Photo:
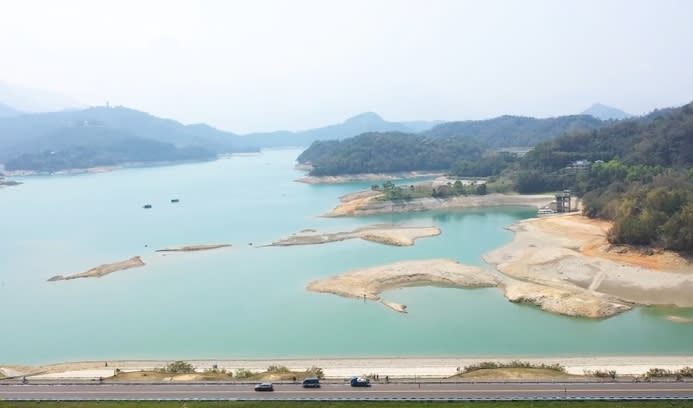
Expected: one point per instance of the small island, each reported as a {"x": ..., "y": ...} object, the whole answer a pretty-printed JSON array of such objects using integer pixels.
[
  {"x": 102, "y": 270},
  {"x": 369, "y": 283},
  {"x": 194, "y": 248},
  {"x": 384, "y": 234}
]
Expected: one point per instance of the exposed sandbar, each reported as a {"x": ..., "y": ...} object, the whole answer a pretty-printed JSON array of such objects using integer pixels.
[
  {"x": 369, "y": 283},
  {"x": 102, "y": 270},
  {"x": 679, "y": 319},
  {"x": 383, "y": 234},
  {"x": 340, "y": 368},
  {"x": 192, "y": 248},
  {"x": 348, "y": 178},
  {"x": 368, "y": 203},
  {"x": 568, "y": 267}
]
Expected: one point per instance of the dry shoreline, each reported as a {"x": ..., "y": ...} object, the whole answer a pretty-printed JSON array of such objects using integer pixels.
[
  {"x": 339, "y": 368},
  {"x": 564, "y": 264},
  {"x": 102, "y": 270},
  {"x": 366, "y": 203}
]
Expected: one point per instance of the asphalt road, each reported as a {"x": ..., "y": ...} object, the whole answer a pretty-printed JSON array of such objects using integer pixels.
[{"x": 478, "y": 391}]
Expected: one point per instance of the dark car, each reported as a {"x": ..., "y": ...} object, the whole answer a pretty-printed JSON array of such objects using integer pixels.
[
  {"x": 360, "y": 382},
  {"x": 266, "y": 386},
  {"x": 311, "y": 383}
]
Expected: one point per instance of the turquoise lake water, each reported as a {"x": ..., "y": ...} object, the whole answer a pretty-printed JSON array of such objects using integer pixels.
[{"x": 250, "y": 302}]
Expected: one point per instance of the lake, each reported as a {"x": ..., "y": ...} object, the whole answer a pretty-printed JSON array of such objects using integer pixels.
[{"x": 250, "y": 302}]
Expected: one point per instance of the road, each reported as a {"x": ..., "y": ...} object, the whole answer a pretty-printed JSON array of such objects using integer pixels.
[{"x": 445, "y": 391}]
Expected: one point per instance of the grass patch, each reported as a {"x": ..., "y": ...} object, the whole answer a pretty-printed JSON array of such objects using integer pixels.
[
  {"x": 516, "y": 374},
  {"x": 346, "y": 404}
]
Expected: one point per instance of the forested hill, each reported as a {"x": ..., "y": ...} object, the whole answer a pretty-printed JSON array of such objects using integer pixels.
[
  {"x": 440, "y": 148},
  {"x": 635, "y": 172},
  {"x": 514, "y": 131},
  {"x": 387, "y": 152},
  {"x": 662, "y": 138},
  {"x": 112, "y": 135}
]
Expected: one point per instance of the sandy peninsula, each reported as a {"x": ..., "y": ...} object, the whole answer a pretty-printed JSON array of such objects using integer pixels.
[
  {"x": 348, "y": 178},
  {"x": 368, "y": 203},
  {"x": 369, "y": 283},
  {"x": 564, "y": 264},
  {"x": 384, "y": 234},
  {"x": 102, "y": 270},
  {"x": 193, "y": 248}
]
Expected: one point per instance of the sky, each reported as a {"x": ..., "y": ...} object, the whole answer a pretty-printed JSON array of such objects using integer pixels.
[{"x": 260, "y": 65}]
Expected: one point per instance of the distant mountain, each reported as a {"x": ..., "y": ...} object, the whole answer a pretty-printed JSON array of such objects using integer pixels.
[
  {"x": 513, "y": 131},
  {"x": 365, "y": 122},
  {"x": 6, "y": 111},
  {"x": 35, "y": 100},
  {"x": 106, "y": 136},
  {"x": 604, "y": 112}
]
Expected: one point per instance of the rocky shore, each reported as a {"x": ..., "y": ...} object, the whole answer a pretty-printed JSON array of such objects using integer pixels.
[{"x": 564, "y": 264}]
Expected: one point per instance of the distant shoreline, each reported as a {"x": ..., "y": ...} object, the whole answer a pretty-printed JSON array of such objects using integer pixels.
[
  {"x": 350, "y": 178},
  {"x": 121, "y": 166}
]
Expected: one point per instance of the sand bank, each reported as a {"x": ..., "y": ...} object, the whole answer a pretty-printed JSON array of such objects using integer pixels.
[
  {"x": 349, "y": 178},
  {"x": 384, "y": 234},
  {"x": 340, "y": 368},
  {"x": 567, "y": 266},
  {"x": 193, "y": 248},
  {"x": 357, "y": 205},
  {"x": 102, "y": 270},
  {"x": 369, "y": 283}
]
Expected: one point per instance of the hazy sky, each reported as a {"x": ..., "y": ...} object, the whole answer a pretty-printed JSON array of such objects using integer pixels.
[{"x": 264, "y": 65}]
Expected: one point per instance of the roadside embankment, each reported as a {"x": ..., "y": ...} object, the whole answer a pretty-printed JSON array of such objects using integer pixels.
[{"x": 340, "y": 368}]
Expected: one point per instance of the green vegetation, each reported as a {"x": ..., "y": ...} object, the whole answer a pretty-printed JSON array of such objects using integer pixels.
[
  {"x": 686, "y": 372},
  {"x": 386, "y": 153},
  {"x": 601, "y": 373},
  {"x": 635, "y": 172},
  {"x": 393, "y": 192},
  {"x": 511, "y": 364},
  {"x": 347, "y": 404},
  {"x": 179, "y": 367},
  {"x": 463, "y": 148},
  {"x": 514, "y": 131}
]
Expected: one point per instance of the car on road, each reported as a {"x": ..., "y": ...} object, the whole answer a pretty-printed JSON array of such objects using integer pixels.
[
  {"x": 265, "y": 386},
  {"x": 311, "y": 382},
  {"x": 360, "y": 382}
]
